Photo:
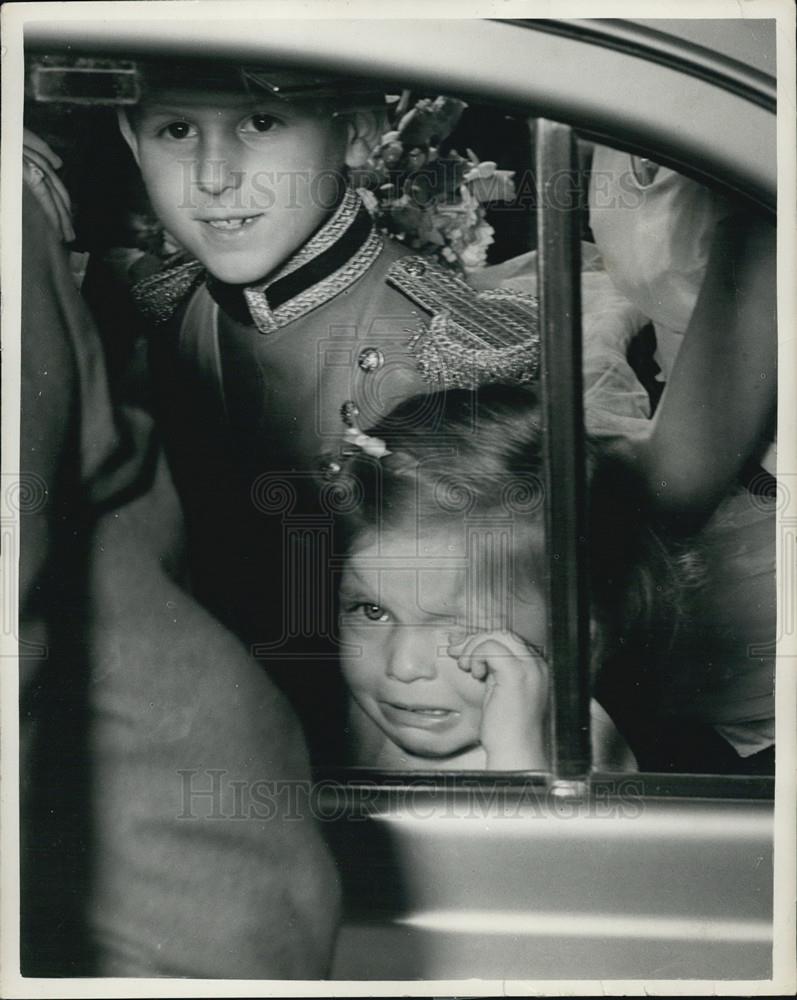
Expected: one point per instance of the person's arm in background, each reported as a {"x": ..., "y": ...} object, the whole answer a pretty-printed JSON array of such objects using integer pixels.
[
  {"x": 133, "y": 697},
  {"x": 721, "y": 393}
]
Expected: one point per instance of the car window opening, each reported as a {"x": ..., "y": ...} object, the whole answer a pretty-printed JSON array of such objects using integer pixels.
[{"x": 562, "y": 165}]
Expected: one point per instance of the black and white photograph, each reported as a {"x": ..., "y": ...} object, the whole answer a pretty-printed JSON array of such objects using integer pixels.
[{"x": 399, "y": 498}]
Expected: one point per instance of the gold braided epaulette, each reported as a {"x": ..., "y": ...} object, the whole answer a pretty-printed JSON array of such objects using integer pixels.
[
  {"x": 159, "y": 296},
  {"x": 472, "y": 337}
]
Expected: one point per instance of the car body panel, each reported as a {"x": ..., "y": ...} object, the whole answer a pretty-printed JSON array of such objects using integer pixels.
[{"x": 477, "y": 883}]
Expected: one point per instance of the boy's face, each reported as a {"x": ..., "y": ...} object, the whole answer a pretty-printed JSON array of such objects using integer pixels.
[
  {"x": 240, "y": 182},
  {"x": 402, "y": 598}
]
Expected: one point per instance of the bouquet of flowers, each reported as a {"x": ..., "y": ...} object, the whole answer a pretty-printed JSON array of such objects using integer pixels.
[{"x": 433, "y": 202}]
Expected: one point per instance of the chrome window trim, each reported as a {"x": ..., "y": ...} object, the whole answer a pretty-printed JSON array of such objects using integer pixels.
[{"x": 367, "y": 782}]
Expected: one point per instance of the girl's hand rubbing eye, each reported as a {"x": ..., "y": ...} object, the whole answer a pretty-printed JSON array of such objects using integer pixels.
[{"x": 516, "y": 677}]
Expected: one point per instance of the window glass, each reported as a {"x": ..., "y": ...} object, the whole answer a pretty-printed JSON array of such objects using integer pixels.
[{"x": 409, "y": 507}]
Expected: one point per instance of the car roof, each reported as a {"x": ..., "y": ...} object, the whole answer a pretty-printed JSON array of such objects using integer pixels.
[{"x": 750, "y": 41}]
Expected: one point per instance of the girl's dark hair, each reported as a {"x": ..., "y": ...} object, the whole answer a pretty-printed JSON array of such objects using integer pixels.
[{"x": 479, "y": 454}]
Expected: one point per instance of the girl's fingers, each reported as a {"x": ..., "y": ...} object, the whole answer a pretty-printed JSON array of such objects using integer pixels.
[
  {"x": 498, "y": 646},
  {"x": 457, "y": 639},
  {"x": 500, "y": 653},
  {"x": 499, "y": 660},
  {"x": 470, "y": 664},
  {"x": 461, "y": 645},
  {"x": 478, "y": 668}
]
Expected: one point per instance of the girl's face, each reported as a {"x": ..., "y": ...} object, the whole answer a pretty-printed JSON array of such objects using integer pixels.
[{"x": 405, "y": 596}]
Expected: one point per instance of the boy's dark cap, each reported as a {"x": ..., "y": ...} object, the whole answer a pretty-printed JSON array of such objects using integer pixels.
[{"x": 285, "y": 83}]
